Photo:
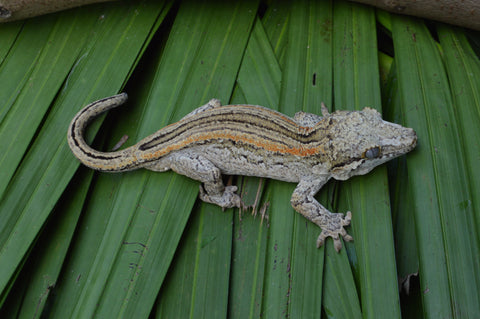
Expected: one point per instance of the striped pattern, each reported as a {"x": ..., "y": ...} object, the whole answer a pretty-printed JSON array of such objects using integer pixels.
[{"x": 244, "y": 125}]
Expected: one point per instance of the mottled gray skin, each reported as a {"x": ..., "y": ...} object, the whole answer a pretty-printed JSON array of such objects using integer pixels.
[
  {"x": 360, "y": 141},
  {"x": 255, "y": 141},
  {"x": 347, "y": 137}
]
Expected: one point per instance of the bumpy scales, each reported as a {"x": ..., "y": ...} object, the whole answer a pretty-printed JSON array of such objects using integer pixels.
[{"x": 255, "y": 141}]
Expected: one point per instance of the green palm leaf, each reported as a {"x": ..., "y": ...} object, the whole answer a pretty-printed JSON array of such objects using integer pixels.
[{"x": 74, "y": 243}]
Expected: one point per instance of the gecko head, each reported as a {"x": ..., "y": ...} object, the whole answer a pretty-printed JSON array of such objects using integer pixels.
[{"x": 361, "y": 140}]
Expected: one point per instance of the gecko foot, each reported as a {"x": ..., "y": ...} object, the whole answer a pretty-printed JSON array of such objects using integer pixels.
[
  {"x": 334, "y": 229},
  {"x": 228, "y": 199}
]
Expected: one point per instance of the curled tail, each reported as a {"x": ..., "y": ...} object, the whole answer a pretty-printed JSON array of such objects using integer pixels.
[{"x": 123, "y": 160}]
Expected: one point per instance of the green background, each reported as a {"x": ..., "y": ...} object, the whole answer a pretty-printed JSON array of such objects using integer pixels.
[{"x": 80, "y": 244}]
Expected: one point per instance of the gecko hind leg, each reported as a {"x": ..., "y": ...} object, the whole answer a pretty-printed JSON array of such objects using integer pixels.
[
  {"x": 201, "y": 169},
  {"x": 332, "y": 224}
]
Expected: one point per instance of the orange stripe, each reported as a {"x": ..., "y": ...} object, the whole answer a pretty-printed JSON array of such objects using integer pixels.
[{"x": 271, "y": 147}]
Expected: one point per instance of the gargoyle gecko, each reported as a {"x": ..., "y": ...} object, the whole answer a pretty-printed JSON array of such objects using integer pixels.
[{"x": 256, "y": 141}]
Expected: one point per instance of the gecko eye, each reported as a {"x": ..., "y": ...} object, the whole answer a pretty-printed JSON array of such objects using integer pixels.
[{"x": 372, "y": 153}]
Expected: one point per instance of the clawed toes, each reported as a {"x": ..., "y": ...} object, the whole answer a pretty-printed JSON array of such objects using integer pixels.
[
  {"x": 227, "y": 199},
  {"x": 336, "y": 232},
  {"x": 345, "y": 221},
  {"x": 321, "y": 240},
  {"x": 346, "y": 236},
  {"x": 337, "y": 244},
  {"x": 348, "y": 217}
]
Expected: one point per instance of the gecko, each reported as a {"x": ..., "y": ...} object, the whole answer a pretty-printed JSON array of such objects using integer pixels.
[{"x": 252, "y": 140}]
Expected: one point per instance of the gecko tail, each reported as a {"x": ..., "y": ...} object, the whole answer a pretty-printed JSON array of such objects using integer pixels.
[{"x": 104, "y": 161}]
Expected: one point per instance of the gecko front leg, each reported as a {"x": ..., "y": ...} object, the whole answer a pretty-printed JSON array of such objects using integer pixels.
[{"x": 332, "y": 224}]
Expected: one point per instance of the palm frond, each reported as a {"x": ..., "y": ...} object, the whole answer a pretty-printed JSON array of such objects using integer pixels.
[{"x": 75, "y": 244}]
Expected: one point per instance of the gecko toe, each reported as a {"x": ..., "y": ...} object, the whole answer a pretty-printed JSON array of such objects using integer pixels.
[
  {"x": 321, "y": 240},
  {"x": 335, "y": 230},
  {"x": 345, "y": 235},
  {"x": 337, "y": 244},
  {"x": 348, "y": 218},
  {"x": 227, "y": 199}
]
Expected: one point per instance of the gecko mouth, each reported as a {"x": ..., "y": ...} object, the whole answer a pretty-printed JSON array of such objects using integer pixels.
[
  {"x": 349, "y": 161},
  {"x": 400, "y": 145}
]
